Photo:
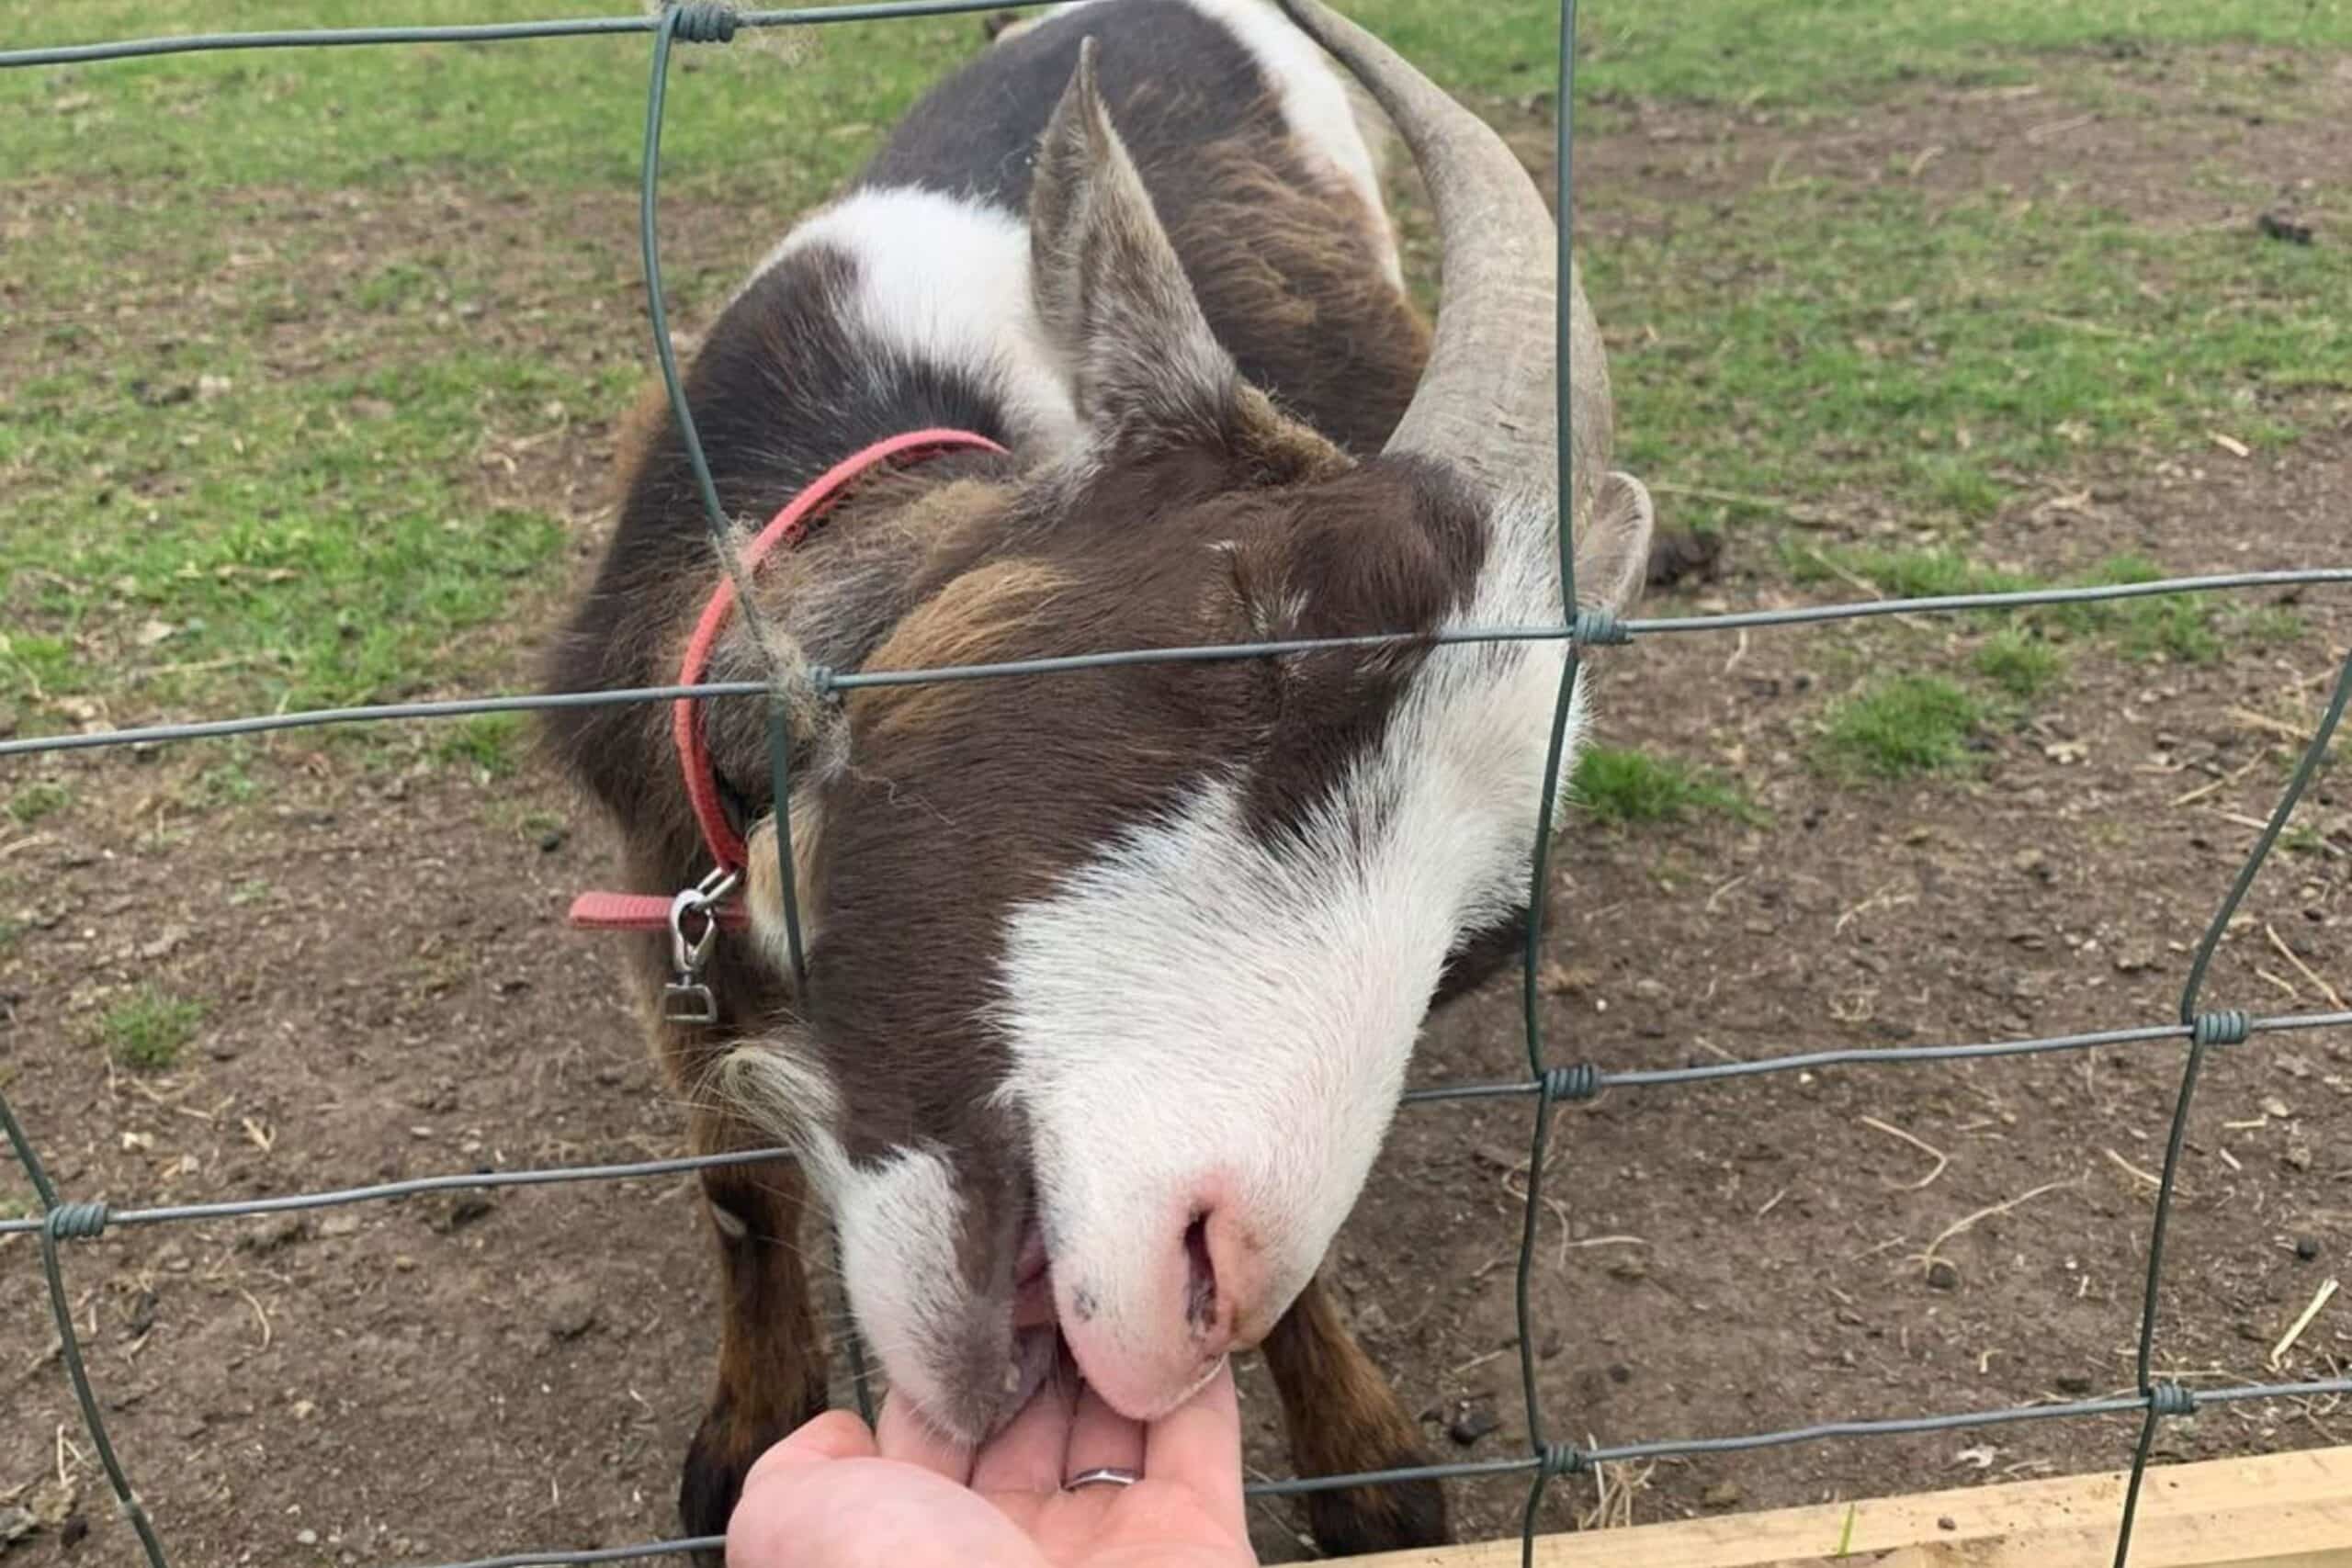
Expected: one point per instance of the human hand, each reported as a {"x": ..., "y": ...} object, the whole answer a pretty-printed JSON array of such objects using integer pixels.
[{"x": 833, "y": 1494}]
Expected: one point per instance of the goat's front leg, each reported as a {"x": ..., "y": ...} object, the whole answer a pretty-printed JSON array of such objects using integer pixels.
[
  {"x": 1342, "y": 1419},
  {"x": 770, "y": 1359}
]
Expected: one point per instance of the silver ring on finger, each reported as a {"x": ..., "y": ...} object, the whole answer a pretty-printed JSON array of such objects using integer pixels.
[{"x": 1101, "y": 1475}]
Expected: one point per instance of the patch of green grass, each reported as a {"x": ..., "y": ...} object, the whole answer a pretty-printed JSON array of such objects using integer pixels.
[
  {"x": 310, "y": 543},
  {"x": 229, "y": 781},
  {"x": 1902, "y": 574},
  {"x": 491, "y": 743},
  {"x": 147, "y": 1030},
  {"x": 568, "y": 111},
  {"x": 2176, "y": 626},
  {"x": 2193, "y": 629},
  {"x": 37, "y": 800},
  {"x": 245, "y": 470},
  {"x": 565, "y": 112},
  {"x": 1871, "y": 338},
  {"x": 1799, "y": 52},
  {"x": 2019, "y": 663},
  {"x": 1621, "y": 786},
  {"x": 1899, "y": 726},
  {"x": 2269, "y": 625}
]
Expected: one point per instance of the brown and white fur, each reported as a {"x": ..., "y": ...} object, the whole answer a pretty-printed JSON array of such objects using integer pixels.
[{"x": 1113, "y": 976}]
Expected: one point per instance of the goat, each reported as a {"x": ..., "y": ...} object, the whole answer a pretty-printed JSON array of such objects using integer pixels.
[{"x": 1112, "y": 976}]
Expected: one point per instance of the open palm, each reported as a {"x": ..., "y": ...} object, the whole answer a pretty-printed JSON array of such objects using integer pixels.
[{"x": 835, "y": 1495}]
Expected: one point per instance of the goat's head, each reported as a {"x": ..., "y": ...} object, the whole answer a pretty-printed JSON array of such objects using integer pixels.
[{"x": 1114, "y": 975}]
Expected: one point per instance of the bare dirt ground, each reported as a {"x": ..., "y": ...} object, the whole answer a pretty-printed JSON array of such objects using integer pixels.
[{"x": 390, "y": 992}]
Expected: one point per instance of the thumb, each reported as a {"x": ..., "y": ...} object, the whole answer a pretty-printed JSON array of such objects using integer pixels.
[{"x": 837, "y": 1434}]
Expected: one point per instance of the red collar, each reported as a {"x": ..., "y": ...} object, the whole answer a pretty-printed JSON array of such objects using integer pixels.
[{"x": 654, "y": 912}]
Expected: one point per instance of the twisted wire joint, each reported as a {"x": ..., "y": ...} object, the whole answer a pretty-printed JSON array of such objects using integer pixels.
[
  {"x": 1555, "y": 1460},
  {"x": 2227, "y": 1028},
  {"x": 1597, "y": 628},
  {"x": 77, "y": 1222},
  {"x": 2171, "y": 1399},
  {"x": 700, "y": 21},
  {"x": 1579, "y": 1081}
]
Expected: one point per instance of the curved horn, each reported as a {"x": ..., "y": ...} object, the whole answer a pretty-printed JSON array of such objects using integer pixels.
[{"x": 1486, "y": 400}]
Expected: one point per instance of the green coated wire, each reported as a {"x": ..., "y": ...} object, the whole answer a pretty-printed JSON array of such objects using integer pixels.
[
  {"x": 69, "y": 1344},
  {"x": 2201, "y": 1040},
  {"x": 715, "y": 518},
  {"x": 487, "y": 32},
  {"x": 1539, "y": 879}
]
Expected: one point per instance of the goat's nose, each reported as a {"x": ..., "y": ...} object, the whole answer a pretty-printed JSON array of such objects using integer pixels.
[{"x": 1225, "y": 1282}]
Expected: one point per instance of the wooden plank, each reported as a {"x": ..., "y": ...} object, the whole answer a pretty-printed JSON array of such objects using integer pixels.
[{"x": 2278, "y": 1511}]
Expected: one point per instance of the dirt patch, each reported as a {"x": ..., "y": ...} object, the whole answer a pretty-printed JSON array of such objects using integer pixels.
[{"x": 385, "y": 989}]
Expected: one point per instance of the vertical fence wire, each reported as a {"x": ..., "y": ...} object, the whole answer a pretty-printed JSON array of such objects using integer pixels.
[
  {"x": 703, "y": 23},
  {"x": 1547, "y": 802},
  {"x": 61, "y": 1221},
  {"x": 2207, "y": 1030},
  {"x": 1550, "y": 1084}
]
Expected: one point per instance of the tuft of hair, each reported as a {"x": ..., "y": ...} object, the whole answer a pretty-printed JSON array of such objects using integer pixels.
[{"x": 775, "y": 1084}]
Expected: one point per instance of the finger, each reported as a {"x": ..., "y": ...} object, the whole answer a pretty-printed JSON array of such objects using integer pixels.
[
  {"x": 904, "y": 1433},
  {"x": 1027, "y": 1455},
  {"x": 1101, "y": 1438},
  {"x": 1198, "y": 1446}
]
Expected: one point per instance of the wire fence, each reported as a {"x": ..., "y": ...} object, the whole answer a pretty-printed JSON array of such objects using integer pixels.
[{"x": 2202, "y": 1029}]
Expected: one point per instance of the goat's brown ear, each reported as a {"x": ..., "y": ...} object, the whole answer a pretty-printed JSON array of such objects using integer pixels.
[
  {"x": 1613, "y": 552},
  {"x": 1112, "y": 297}
]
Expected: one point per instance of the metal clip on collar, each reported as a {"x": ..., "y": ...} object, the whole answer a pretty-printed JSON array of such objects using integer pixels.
[{"x": 685, "y": 1000}]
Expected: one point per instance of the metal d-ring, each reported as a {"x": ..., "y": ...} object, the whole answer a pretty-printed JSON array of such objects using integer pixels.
[{"x": 686, "y": 1000}]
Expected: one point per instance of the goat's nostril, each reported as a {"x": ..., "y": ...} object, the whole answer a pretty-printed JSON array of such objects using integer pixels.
[{"x": 1199, "y": 1291}]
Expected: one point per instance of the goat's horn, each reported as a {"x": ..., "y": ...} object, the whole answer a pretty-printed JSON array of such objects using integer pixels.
[{"x": 1486, "y": 402}]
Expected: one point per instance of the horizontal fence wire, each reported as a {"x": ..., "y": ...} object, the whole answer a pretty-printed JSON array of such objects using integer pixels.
[
  {"x": 1587, "y": 1083},
  {"x": 1549, "y": 1085},
  {"x": 1588, "y": 628},
  {"x": 712, "y": 24}
]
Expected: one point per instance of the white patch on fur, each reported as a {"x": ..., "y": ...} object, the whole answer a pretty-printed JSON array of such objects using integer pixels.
[
  {"x": 944, "y": 279},
  {"x": 1315, "y": 101},
  {"x": 1199, "y": 999},
  {"x": 898, "y": 1224}
]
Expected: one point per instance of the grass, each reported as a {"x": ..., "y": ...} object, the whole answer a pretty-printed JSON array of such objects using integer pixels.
[
  {"x": 35, "y": 801},
  {"x": 2181, "y": 627},
  {"x": 1901, "y": 727},
  {"x": 490, "y": 743},
  {"x": 147, "y": 1030},
  {"x": 1844, "y": 337},
  {"x": 311, "y": 326},
  {"x": 230, "y": 781},
  {"x": 2019, "y": 664},
  {"x": 1625, "y": 787},
  {"x": 567, "y": 112},
  {"x": 1902, "y": 574},
  {"x": 1812, "y": 53},
  {"x": 2187, "y": 628}
]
